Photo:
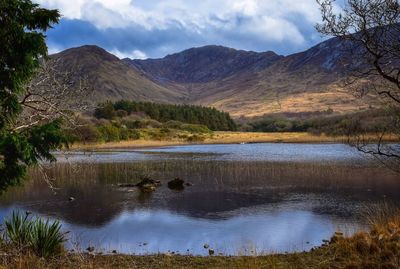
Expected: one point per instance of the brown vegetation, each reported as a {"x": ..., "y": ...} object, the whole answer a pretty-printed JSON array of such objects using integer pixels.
[{"x": 224, "y": 138}]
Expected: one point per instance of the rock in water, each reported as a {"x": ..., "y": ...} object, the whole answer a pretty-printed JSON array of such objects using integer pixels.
[
  {"x": 148, "y": 181},
  {"x": 176, "y": 184},
  {"x": 211, "y": 252},
  {"x": 147, "y": 188}
]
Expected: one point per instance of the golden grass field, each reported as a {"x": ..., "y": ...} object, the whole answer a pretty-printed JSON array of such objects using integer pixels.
[
  {"x": 217, "y": 138},
  {"x": 224, "y": 138}
]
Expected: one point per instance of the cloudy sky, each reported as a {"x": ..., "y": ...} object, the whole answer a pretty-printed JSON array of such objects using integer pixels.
[{"x": 155, "y": 28}]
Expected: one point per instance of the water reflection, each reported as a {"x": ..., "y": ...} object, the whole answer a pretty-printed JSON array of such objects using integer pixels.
[{"x": 235, "y": 202}]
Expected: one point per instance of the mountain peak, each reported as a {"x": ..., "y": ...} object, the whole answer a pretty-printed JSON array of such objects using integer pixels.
[
  {"x": 86, "y": 50},
  {"x": 203, "y": 64}
]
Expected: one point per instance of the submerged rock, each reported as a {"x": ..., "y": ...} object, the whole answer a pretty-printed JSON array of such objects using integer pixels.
[
  {"x": 147, "y": 188},
  {"x": 145, "y": 185},
  {"x": 148, "y": 181},
  {"x": 176, "y": 184}
]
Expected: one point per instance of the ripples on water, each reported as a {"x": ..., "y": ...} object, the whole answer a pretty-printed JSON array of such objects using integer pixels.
[{"x": 244, "y": 199}]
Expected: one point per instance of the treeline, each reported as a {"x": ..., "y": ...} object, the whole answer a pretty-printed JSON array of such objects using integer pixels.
[
  {"x": 212, "y": 118},
  {"x": 336, "y": 125}
]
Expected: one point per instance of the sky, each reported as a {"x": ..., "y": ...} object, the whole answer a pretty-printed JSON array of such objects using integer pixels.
[{"x": 141, "y": 29}]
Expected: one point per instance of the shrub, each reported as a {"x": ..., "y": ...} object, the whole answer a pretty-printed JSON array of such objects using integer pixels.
[
  {"x": 195, "y": 128},
  {"x": 86, "y": 133},
  {"x": 45, "y": 238},
  {"x": 121, "y": 113},
  {"x": 126, "y": 134},
  {"x": 105, "y": 111},
  {"x": 173, "y": 124},
  {"x": 152, "y": 124},
  {"x": 132, "y": 124},
  {"x": 18, "y": 229},
  {"x": 109, "y": 132}
]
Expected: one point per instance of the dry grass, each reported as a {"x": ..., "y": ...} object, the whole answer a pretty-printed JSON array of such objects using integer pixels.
[
  {"x": 225, "y": 138},
  {"x": 127, "y": 144},
  {"x": 257, "y": 137},
  {"x": 295, "y": 261}
]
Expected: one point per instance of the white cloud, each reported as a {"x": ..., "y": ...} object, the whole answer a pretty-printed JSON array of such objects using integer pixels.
[
  {"x": 265, "y": 16},
  {"x": 159, "y": 27},
  {"x": 135, "y": 54}
]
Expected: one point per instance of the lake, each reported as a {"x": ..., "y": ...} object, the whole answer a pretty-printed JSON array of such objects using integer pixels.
[{"x": 244, "y": 199}]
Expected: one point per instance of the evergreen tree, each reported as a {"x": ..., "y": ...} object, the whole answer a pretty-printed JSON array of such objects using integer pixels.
[
  {"x": 212, "y": 118},
  {"x": 22, "y": 44}
]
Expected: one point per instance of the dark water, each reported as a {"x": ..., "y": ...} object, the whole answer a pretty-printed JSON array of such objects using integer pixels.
[{"x": 245, "y": 199}]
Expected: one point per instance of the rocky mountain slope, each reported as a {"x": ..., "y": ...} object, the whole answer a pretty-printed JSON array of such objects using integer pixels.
[
  {"x": 241, "y": 82},
  {"x": 109, "y": 77}
]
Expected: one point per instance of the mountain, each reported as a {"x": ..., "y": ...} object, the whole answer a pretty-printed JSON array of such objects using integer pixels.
[
  {"x": 205, "y": 64},
  {"x": 243, "y": 83},
  {"x": 253, "y": 84},
  {"x": 109, "y": 77}
]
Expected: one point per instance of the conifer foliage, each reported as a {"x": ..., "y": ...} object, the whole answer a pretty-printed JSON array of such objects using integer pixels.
[
  {"x": 212, "y": 118},
  {"x": 22, "y": 39}
]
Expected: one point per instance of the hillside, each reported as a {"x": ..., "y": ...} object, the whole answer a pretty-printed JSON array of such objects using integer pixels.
[
  {"x": 242, "y": 83},
  {"x": 109, "y": 77},
  {"x": 254, "y": 84}
]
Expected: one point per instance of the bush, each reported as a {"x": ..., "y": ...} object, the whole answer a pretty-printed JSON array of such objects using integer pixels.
[
  {"x": 173, "y": 124},
  {"x": 121, "y": 113},
  {"x": 109, "y": 132},
  {"x": 86, "y": 133},
  {"x": 152, "y": 124},
  {"x": 105, "y": 111},
  {"x": 132, "y": 124},
  {"x": 45, "y": 238},
  {"x": 195, "y": 128},
  {"x": 18, "y": 229},
  {"x": 126, "y": 134}
]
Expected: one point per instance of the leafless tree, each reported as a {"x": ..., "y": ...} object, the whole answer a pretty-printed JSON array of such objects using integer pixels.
[
  {"x": 53, "y": 94},
  {"x": 370, "y": 30}
]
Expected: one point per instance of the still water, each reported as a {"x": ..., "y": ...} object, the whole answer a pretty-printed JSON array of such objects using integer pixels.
[{"x": 244, "y": 199}]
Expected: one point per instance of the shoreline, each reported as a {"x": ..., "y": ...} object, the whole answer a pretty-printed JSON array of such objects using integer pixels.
[
  {"x": 217, "y": 138},
  {"x": 223, "y": 138}
]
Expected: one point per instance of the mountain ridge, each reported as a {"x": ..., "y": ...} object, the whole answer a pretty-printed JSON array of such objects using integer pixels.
[{"x": 243, "y": 83}]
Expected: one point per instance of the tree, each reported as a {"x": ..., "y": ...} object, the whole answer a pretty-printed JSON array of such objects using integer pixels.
[
  {"x": 370, "y": 31},
  {"x": 105, "y": 111},
  {"x": 22, "y": 39}
]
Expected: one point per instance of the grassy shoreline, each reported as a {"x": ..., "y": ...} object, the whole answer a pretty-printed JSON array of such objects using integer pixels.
[
  {"x": 215, "y": 138},
  {"x": 223, "y": 138}
]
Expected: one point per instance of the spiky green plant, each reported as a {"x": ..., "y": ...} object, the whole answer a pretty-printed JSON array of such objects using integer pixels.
[
  {"x": 18, "y": 229},
  {"x": 46, "y": 237}
]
